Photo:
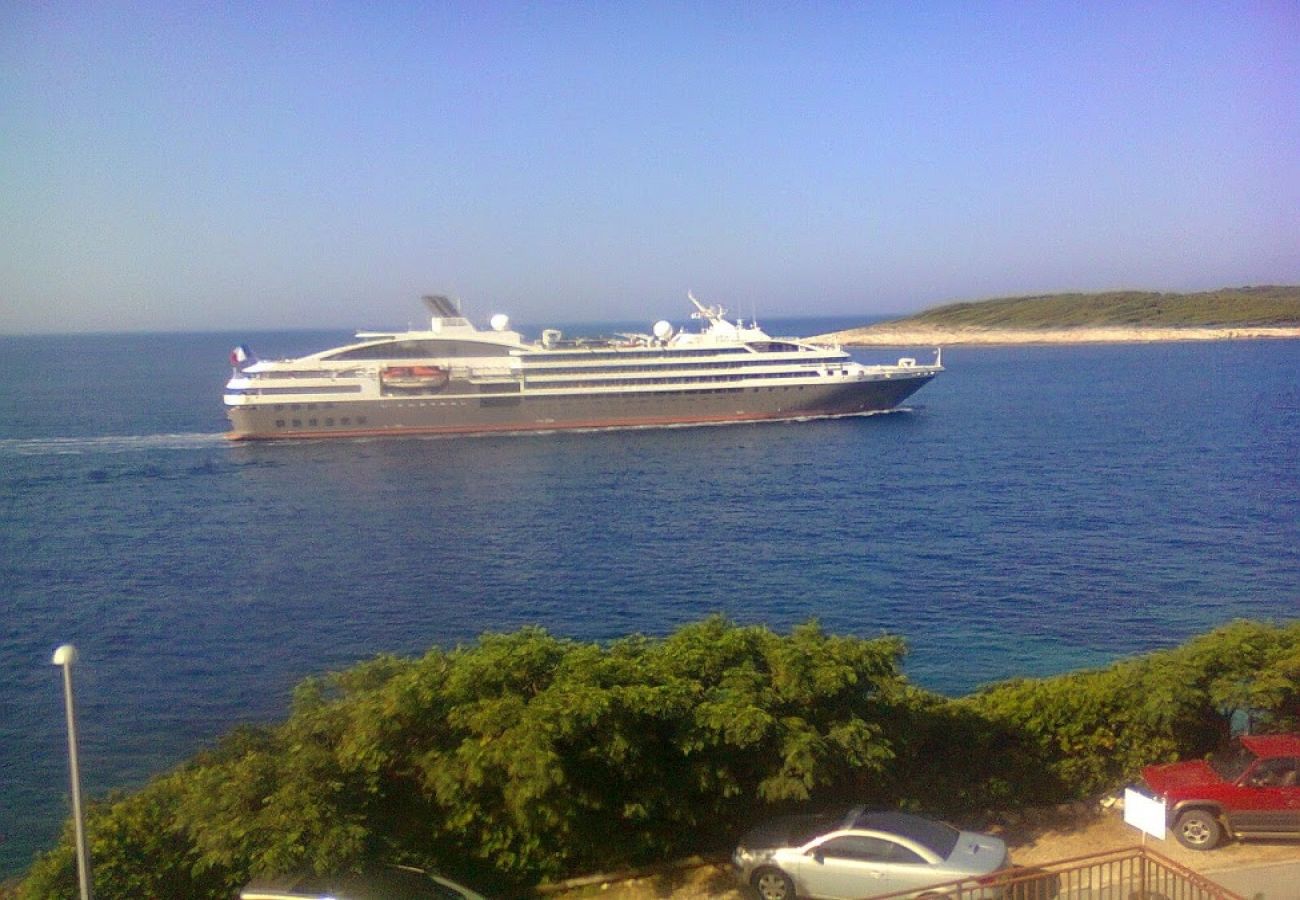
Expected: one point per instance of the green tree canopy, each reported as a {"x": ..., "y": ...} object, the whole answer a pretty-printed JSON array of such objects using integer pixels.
[{"x": 526, "y": 756}]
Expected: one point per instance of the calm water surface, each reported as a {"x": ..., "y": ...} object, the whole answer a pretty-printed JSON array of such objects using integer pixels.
[{"x": 1034, "y": 510}]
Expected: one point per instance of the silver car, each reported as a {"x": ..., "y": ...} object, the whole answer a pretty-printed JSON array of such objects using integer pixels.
[{"x": 857, "y": 853}]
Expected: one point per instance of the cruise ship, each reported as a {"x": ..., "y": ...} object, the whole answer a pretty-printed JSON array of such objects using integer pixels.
[{"x": 455, "y": 378}]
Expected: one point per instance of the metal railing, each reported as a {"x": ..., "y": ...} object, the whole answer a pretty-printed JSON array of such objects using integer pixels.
[{"x": 1135, "y": 873}]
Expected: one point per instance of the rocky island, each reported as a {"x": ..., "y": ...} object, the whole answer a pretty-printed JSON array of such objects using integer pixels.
[{"x": 1114, "y": 317}]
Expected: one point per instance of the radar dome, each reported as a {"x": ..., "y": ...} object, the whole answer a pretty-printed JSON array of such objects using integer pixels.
[
  {"x": 663, "y": 330},
  {"x": 499, "y": 322}
]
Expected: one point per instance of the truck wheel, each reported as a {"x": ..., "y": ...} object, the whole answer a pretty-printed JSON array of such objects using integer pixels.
[
  {"x": 773, "y": 884},
  {"x": 1198, "y": 829}
]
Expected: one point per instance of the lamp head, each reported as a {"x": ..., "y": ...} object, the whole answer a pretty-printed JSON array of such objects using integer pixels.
[{"x": 65, "y": 655}]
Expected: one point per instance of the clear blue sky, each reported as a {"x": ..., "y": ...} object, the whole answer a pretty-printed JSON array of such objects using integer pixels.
[{"x": 171, "y": 166}]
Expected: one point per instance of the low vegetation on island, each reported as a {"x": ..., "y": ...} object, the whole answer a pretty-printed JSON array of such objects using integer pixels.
[
  {"x": 1228, "y": 308},
  {"x": 1116, "y": 316},
  {"x": 525, "y": 757}
]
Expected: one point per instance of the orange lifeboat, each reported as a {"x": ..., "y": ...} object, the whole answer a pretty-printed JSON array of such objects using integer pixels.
[{"x": 414, "y": 378}]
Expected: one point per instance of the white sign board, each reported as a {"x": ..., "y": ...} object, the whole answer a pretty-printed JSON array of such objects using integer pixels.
[{"x": 1144, "y": 813}]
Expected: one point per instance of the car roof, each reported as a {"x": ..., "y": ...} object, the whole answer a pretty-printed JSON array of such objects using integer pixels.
[
  {"x": 938, "y": 837},
  {"x": 1272, "y": 744},
  {"x": 382, "y": 882}
]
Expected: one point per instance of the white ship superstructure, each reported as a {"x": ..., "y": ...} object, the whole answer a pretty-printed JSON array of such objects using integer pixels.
[{"x": 455, "y": 378}]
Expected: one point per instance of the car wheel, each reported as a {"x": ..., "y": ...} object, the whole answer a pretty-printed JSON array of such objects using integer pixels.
[
  {"x": 773, "y": 884},
  {"x": 1198, "y": 829}
]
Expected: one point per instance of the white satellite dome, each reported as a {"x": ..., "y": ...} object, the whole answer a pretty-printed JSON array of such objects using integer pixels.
[
  {"x": 499, "y": 322},
  {"x": 663, "y": 329}
]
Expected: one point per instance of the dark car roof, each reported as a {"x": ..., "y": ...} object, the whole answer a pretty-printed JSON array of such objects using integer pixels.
[
  {"x": 1272, "y": 744},
  {"x": 796, "y": 830},
  {"x": 938, "y": 836},
  {"x": 793, "y": 830},
  {"x": 385, "y": 883}
]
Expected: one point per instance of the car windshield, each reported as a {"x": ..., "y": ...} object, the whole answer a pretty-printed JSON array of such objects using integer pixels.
[
  {"x": 804, "y": 829},
  {"x": 791, "y": 831},
  {"x": 1231, "y": 763},
  {"x": 375, "y": 885}
]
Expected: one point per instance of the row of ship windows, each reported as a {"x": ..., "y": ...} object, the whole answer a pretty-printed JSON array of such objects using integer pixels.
[
  {"x": 427, "y": 349},
  {"x": 539, "y": 383},
  {"x": 535, "y": 381},
  {"x": 625, "y": 352},
  {"x": 655, "y": 395},
  {"x": 295, "y": 407},
  {"x": 345, "y": 421},
  {"x": 666, "y": 370},
  {"x": 598, "y": 353},
  {"x": 551, "y": 370},
  {"x": 303, "y": 373},
  {"x": 704, "y": 364},
  {"x": 548, "y": 380},
  {"x": 325, "y": 389}
]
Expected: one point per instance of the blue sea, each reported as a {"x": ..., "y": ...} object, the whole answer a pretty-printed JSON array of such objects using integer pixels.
[{"x": 1033, "y": 510}]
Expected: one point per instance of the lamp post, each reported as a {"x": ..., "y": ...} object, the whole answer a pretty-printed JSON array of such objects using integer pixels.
[{"x": 65, "y": 656}]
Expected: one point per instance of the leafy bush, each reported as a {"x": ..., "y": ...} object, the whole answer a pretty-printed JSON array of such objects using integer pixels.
[
  {"x": 1090, "y": 731},
  {"x": 136, "y": 850},
  {"x": 526, "y": 756},
  {"x": 520, "y": 757}
]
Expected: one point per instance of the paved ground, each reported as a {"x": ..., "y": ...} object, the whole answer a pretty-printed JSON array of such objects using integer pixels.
[
  {"x": 1257, "y": 870},
  {"x": 1274, "y": 881}
]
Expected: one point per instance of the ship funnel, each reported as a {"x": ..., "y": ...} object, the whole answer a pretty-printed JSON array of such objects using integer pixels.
[{"x": 441, "y": 306}]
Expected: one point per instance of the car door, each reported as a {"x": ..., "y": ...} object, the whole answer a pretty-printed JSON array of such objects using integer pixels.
[
  {"x": 1290, "y": 789},
  {"x": 847, "y": 865},
  {"x": 1268, "y": 799}
]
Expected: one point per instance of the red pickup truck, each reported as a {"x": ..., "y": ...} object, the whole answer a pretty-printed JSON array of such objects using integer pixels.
[{"x": 1253, "y": 790}]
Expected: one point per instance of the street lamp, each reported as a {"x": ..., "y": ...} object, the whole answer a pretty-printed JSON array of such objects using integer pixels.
[{"x": 65, "y": 656}]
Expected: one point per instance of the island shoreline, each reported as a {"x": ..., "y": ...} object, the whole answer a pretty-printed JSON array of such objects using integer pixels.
[{"x": 887, "y": 336}]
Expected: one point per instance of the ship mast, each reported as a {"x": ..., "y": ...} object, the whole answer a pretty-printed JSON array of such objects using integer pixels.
[{"x": 712, "y": 314}]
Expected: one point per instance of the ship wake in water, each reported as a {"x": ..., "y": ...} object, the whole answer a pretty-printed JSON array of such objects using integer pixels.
[{"x": 133, "y": 443}]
